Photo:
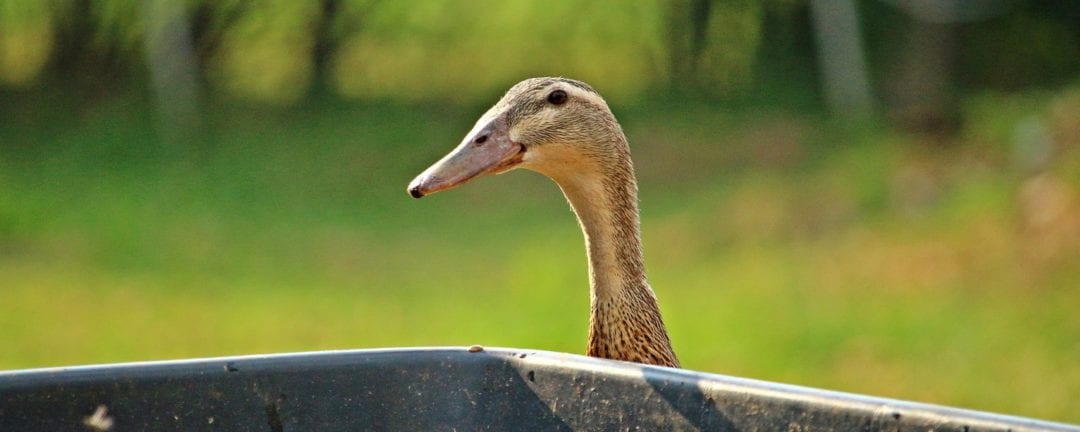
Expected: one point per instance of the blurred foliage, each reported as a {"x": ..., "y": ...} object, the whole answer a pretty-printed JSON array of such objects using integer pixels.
[
  {"x": 26, "y": 40},
  {"x": 1037, "y": 51},
  {"x": 713, "y": 46},
  {"x": 1032, "y": 44},
  {"x": 266, "y": 53},
  {"x": 118, "y": 26},
  {"x": 277, "y": 51},
  {"x": 462, "y": 51}
]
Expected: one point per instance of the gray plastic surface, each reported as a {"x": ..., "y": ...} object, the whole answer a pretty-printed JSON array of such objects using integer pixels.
[{"x": 448, "y": 389}]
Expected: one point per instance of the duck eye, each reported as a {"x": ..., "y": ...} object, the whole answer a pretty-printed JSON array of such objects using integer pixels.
[{"x": 557, "y": 97}]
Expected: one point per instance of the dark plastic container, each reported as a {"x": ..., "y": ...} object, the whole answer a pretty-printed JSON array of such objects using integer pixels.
[{"x": 447, "y": 389}]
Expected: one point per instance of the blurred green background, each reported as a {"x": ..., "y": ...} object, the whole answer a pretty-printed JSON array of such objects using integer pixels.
[{"x": 890, "y": 207}]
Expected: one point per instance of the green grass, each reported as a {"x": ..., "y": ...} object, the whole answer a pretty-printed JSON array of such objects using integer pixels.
[{"x": 782, "y": 247}]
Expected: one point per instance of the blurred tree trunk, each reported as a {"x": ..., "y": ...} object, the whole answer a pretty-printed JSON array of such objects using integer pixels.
[
  {"x": 923, "y": 93},
  {"x": 170, "y": 57},
  {"x": 840, "y": 57},
  {"x": 687, "y": 22},
  {"x": 76, "y": 61},
  {"x": 325, "y": 43}
]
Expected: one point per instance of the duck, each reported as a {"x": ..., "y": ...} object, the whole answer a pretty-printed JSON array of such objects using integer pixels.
[{"x": 562, "y": 128}]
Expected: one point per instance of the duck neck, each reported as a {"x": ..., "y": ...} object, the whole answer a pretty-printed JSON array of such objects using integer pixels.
[{"x": 624, "y": 322}]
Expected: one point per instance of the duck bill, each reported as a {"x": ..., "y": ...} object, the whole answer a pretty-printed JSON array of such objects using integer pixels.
[{"x": 486, "y": 149}]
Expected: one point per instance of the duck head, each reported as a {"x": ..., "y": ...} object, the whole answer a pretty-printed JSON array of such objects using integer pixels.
[{"x": 556, "y": 126}]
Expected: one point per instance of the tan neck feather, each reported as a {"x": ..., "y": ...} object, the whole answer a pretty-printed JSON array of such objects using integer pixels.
[{"x": 624, "y": 322}]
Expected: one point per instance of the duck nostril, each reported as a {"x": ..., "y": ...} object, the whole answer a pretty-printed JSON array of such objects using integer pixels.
[{"x": 480, "y": 139}]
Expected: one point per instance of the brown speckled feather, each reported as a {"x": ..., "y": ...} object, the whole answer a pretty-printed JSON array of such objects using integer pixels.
[{"x": 625, "y": 322}]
